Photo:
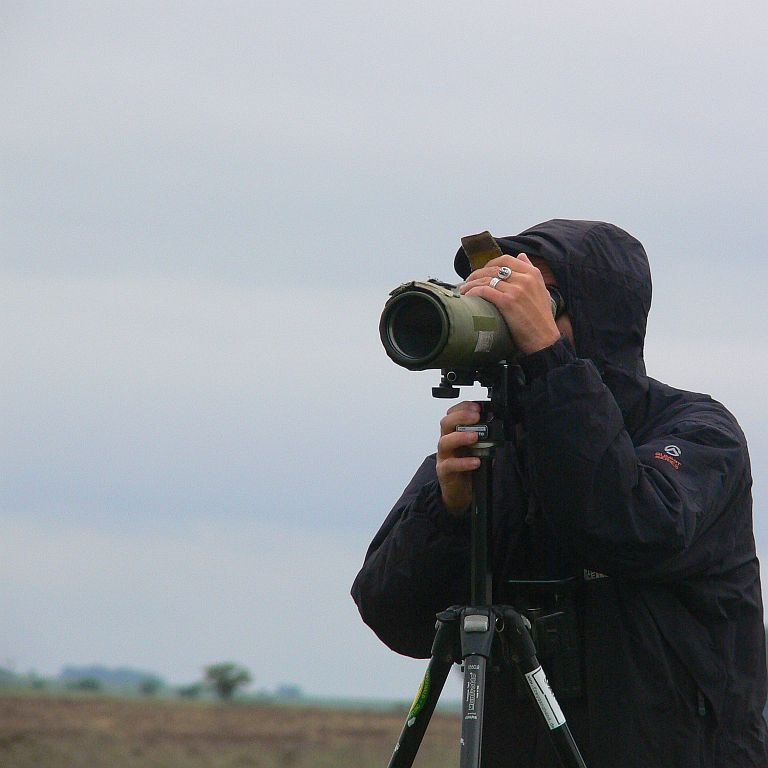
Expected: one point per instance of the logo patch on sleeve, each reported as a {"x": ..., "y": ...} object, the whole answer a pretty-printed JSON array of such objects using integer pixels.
[{"x": 670, "y": 454}]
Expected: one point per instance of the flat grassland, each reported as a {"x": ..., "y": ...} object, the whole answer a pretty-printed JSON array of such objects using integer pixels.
[{"x": 102, "y": 732}]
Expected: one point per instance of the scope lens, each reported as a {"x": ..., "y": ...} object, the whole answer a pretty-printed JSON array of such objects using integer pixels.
[{"x": 416, "y": 326}]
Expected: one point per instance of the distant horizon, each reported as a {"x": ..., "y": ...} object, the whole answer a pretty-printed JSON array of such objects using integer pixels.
[{"x": 122, "y": 678}]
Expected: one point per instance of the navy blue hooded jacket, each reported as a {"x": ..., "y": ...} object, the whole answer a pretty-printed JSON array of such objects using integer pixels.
[{"x": 644, "y": 488}]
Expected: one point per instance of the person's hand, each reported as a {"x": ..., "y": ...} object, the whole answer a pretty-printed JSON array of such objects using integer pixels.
[
  {"x": 454, "y": 467},
  {"x": 522, "y": 299}
]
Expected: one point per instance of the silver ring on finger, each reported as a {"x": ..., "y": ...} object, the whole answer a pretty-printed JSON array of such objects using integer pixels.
[
  {"x": 504, "y": 272},
  {"x": 494, "y": 282}
]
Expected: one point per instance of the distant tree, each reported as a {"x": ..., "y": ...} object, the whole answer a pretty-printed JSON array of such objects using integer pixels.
[
  {"x": 87, "y": 684},
  {"x": 37, "y": 683},
  {"x": 225, "y": 678},
  {"x": 149, "y": 686},
  {"x": 8, "y": 678},
  {"x": 190, "y": 691}
]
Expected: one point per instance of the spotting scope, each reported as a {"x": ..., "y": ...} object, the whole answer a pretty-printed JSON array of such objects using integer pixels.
[{"x": 431, "y": 325}]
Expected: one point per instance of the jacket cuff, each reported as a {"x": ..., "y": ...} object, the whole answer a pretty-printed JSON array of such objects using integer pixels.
[
  {"x": 539, "y": 363},
  {"x": 431, "y": 502}
]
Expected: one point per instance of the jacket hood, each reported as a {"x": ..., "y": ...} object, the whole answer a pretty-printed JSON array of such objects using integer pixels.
[{"x": 604, "y": 277}]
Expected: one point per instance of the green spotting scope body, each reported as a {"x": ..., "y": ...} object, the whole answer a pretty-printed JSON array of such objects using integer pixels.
[{"x": 430, "y": 324}]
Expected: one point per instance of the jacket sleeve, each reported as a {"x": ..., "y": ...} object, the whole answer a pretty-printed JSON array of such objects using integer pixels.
[
  {"x": 416, "y": 566},
  {"x": 668, "y": 505}
]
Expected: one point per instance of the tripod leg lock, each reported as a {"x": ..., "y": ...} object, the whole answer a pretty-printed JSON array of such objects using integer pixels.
[{"x": 518, "y": 633}]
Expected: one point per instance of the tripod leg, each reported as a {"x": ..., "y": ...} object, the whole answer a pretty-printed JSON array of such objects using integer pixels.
[
  {"x": 473, "y": 708},
  {"x": 560, "y": 734},
  {"x": 478, "y": 626},
  {"x": 443, "y": 655}
]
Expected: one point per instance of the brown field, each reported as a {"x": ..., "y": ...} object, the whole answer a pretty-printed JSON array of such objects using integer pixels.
[{"x": 101, "y": 732}]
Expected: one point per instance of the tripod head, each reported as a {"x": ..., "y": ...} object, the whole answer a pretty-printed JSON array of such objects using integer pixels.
[{"x": 502, "y": 380}]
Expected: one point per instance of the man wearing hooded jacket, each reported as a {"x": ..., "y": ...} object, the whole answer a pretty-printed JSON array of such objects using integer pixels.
[{"x": 637, "y": 492}]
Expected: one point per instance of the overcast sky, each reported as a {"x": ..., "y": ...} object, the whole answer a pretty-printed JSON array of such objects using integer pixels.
[{"x": 204, "y": 207}]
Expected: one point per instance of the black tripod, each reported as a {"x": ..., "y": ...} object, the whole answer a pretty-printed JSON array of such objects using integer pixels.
[{"x": 467, "y": 633}]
